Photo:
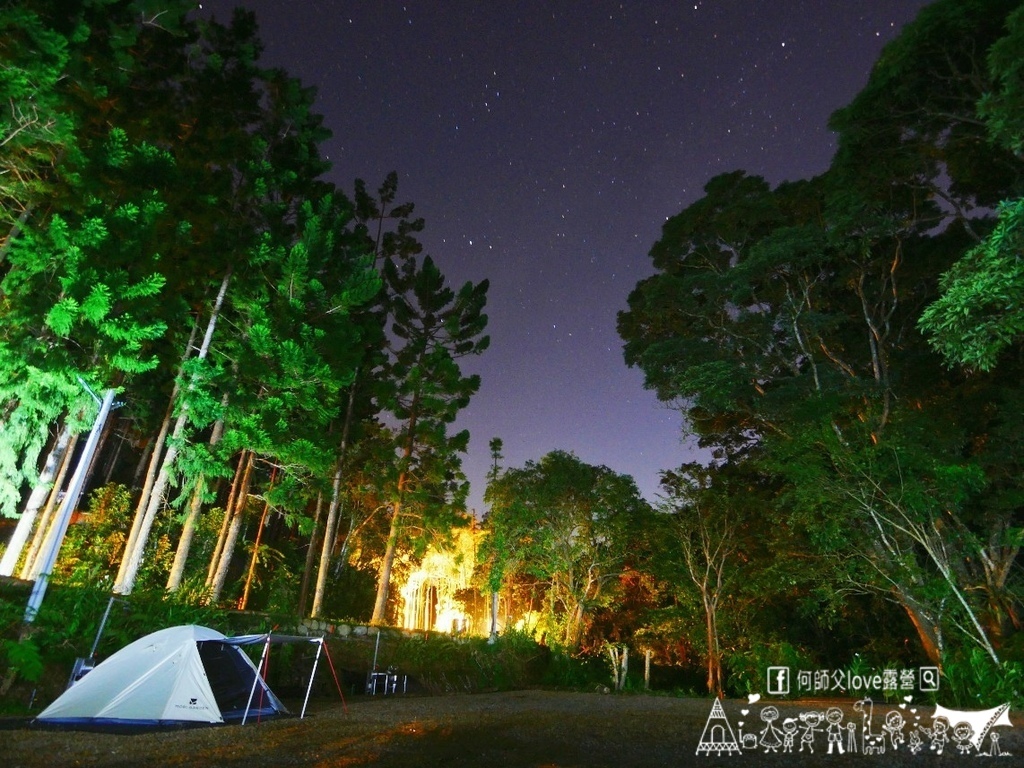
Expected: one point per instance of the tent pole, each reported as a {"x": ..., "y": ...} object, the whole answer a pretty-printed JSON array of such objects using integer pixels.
[
  {"x": 252, "y": 691},
  {"x": 319, "y": 648},
  {"x": 103, "y": 624}
]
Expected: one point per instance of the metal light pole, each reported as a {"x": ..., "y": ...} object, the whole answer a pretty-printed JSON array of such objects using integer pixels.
[{"x": 74, "y": 492}]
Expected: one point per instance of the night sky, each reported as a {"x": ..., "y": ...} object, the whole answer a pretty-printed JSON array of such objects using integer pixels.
[{"x": 545, "y": 143}]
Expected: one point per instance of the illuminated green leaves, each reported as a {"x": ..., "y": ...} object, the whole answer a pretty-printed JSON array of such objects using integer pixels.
[{"x": 981, "y": 311}]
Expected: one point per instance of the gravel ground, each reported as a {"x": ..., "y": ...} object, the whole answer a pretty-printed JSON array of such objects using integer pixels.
[{"x": 544, "y": 729}]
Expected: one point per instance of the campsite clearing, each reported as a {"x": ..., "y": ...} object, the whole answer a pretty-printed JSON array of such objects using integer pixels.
[{"x": 520, "y": 728}]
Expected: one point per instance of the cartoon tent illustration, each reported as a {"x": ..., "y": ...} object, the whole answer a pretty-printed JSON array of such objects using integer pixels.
[
  {"x": 718, "y": 736},
  {"x": 981, "y": 721}
]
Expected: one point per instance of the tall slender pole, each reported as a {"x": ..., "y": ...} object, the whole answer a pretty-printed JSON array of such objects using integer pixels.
[
  {"x": 103, "y": 624},
  {"x": 261, "y": 668},
  {"x": 309, "y": 687},
  {"x": 60, "y": 526},
  {"x": 376, "y": 648}
]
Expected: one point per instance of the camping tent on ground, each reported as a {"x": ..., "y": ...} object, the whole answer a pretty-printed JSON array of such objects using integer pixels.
[{"x": 176, "y": 676}]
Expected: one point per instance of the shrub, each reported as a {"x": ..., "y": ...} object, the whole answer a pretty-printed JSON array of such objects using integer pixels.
[{"x": 972, "y": 680}]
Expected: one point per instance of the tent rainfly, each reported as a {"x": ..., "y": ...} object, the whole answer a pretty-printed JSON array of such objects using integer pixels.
[{"x": 176, "y": 676}]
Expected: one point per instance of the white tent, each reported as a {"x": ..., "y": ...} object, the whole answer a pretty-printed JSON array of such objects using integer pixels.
[{"x": 179, "y": 675}]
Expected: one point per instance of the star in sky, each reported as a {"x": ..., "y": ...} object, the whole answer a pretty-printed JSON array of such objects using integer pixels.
[{"x": 545, "y": 142}]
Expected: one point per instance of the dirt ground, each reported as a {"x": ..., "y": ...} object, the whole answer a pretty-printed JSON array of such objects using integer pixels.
[{"x": 542, "y": 729}]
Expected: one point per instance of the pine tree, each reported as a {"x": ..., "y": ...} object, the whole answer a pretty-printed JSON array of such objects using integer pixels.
[{"x": 432, "y": 328}]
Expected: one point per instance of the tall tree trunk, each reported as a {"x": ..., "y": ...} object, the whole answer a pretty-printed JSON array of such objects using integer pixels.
[
  {"x": 237, "y": 515},
  {"x": 331, "y": 528},
  {"x": 236, "y": 484},
  {"x": 28, "y": 566},
  {"x": 330, "y": 531},
  {"x": 188, "y": 529},
  {"x": 384, "y": 579},
  {"x": 94, "y": 462},
  {"x": 714, "y": 653},
  {"x": 112, "y": 463},
  {"x": 307, "y": 571},
  {"x": 346, "y": 543},
  {"x": 928, "y": 630},
  {"x": 143, "y": 461},
  {"x": 156, "y": 454},
  {"x": 494, "y": 617},
  {"x": 35, "y": 500},
  {"x": 133, "y": 558},
  {"x": 254, "y": 560},
  {"x": 574, "y": 627}
]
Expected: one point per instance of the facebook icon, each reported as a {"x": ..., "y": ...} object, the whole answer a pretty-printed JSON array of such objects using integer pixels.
[{"x": 778, "y": 681}]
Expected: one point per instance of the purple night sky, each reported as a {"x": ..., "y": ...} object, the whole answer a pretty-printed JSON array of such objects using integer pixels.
[{"x": 545, "y": 143}]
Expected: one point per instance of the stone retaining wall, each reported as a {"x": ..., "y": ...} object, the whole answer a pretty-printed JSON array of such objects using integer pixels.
[{"x": 318, "y": 627}]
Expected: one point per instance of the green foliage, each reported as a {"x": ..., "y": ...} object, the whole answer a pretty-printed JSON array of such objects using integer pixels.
[
  {"x": 784, "y": 323},
  {"x": 514, "y": 660},
  {"x": 352, "y": 592},
  {"x": 444, "y": 664},
  {"x": 1001, "y": 105},
  {"x": 748, "y": 668},
  {"x": 34, "y": 128},
  {"x": 979, "y": 314},
  {"x": 116, "y": 254},
  {"x": 971, "y": 680},
  {"x": 577, "y": 671},
  {"x": 23, "y": 658},
  {"x": 916, "y": 119},
  {"x": 94, "y": 545},
  {"x": 571, "y": 526},
  {"x": 34, "y": 398}
]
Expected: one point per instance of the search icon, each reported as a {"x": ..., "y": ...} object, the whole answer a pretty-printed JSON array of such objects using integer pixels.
[{"x": 929, "y": 679}]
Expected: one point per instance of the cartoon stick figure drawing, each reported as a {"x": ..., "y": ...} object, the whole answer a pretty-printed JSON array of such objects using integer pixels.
[
  {"x": 812, "y": 722},
  {"x": 834, "y": 718},
  {"x": 770, "y": 735},
  {"x": 962, "y": 735},
  {"x": 788, "y": 734},
  {"x": 894, "y": 727},
  {"x": 938, "y": 734}
]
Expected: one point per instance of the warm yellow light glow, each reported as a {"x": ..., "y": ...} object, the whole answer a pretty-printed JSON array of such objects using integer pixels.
[{"x": 434, "y": 595}]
